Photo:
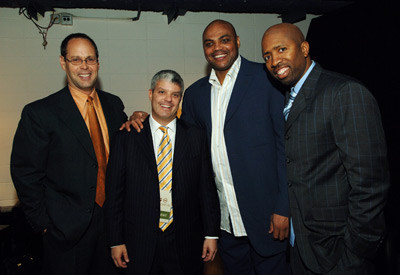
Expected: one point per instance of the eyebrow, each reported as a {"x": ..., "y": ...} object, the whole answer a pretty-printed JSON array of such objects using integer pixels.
[
  {"x": 222, "y": 36},
  {"x": 274, "y": 48}
]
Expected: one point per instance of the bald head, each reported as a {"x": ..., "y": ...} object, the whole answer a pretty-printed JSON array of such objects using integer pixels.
[
  {"x": 220, "y": 24},
  {"x": 290, "y": 30},
  {"x": 286, "y": 53}
]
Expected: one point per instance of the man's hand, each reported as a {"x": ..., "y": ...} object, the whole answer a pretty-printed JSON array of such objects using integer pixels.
[
  {"x": 119, "y": 254},
  {"x": 279, "y": 226},
  {"x": 135, "y": 120},
  {"x": 209, "y": 250}
]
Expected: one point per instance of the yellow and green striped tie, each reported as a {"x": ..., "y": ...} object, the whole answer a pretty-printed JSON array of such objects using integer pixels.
[{"x": 164, "y": 168}]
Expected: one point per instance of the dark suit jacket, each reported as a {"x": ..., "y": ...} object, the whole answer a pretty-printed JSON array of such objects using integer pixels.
[
  {"x": 337, "y": 169},
  {"x": 54, "y": 166},
  {"x": 133, "y": 198},
  {"x": 254, "y": 127}
]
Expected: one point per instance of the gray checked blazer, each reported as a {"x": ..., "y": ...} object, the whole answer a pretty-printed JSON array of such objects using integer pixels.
[{"x": 337, "y": 169}]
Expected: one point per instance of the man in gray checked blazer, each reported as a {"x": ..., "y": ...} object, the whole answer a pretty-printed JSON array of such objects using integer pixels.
[{"x": 336, "y": 161}]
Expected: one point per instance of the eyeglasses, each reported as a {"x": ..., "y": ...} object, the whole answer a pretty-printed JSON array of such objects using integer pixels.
[{"x": 78, "y": 61}]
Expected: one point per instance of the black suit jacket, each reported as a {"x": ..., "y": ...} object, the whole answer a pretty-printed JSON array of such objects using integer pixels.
[
  {"x": 337, "y": 169},
  {"x": 133, "y": 199},
  {"x": 54, "y": 166}
]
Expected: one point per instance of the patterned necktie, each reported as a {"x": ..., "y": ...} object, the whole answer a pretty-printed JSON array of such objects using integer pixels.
[
  {"x": 100, "y": 150},
  {"x": 292, "y": 96},
  {"x": 164, "y": 168}
]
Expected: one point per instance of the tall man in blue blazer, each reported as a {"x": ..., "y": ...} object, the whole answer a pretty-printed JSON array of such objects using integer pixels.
[
  {"x": 242, "y": 113},
  {"x": 136, "y": 191},
  {"x": 336, "y": 161},
  {"x": 55, "y": 168}
]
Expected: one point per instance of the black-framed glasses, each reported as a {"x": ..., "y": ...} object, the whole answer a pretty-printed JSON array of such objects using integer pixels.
[{"x": 78, "y": 61}]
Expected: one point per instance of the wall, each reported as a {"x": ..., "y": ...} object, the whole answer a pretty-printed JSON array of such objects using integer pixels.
[{"x": 131, "y": 52}]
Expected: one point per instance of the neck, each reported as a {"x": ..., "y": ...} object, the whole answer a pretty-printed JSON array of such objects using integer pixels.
[
  {"x": 221, "y": 75},
  {"x": 86, "y": 91}
]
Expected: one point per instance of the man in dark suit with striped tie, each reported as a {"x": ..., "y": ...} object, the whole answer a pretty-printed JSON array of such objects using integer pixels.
[
  {"x": 168, "y": 159},
  {"x": 336, "y": 161}
]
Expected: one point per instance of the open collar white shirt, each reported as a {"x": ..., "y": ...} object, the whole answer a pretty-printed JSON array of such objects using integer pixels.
[{"x": 220, "y": 96}]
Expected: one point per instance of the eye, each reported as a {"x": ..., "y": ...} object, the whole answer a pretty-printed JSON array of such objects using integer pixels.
[
  {"x": 177, "y": 95},
  {"x": 282, "y": 50},
  {"x": 267, "y": 57},
  {"x": 208, "y": 44},
  {"x": 225, "y": 40},
  {"x": 76, "y": 60}
]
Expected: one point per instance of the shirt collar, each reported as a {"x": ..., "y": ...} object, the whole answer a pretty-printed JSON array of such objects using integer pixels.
[
  {"x": 232, "y": 73},
  {"x": 81, "y": 98},
  {"x": 300, "y": 83},
  {"x": 154, "y": 125}
]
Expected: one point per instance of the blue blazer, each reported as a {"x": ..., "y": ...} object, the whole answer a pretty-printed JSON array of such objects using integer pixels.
[{"x": 253, "y": 130}]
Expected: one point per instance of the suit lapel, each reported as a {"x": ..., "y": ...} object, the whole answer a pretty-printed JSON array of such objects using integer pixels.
[
  {"x": 145, "y": 141},
  {"x": 69, "y": 113},
  {"x": 108, "y": 112},
  {"x": 239, "y": 90},
  {"x": 204, "y": 105},
  {"x": 305, "y": 96},
  {"x": 181, "y": 144}
]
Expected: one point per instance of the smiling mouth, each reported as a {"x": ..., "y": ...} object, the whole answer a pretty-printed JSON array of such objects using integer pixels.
[
  {"x": 281, "y": 71},
  {"x": 166, "y": 106}
]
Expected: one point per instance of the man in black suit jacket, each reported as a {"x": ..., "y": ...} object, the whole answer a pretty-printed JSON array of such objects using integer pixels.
[
  {"x": 55, "y": 169},
  {"x": 134, "y": 196},
  {"x": 336, "y": 161}
]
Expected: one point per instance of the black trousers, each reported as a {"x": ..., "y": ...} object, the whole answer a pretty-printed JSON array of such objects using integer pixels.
[
  {"x": 90, "y": 256},
  {"x": 166, "y": 260},
  {"x": 240, "y": 258}
]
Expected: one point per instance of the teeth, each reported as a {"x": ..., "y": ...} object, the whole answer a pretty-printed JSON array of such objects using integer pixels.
[
  {"x": 282, "y": 71},
  {"x": 165, "y": 106},
  {"x": 84, "y": 75},
  {"x": 219, "y": 56}
]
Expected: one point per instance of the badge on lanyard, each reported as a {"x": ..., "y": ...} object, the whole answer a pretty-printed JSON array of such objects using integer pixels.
[{"x": 165, "y": 205}]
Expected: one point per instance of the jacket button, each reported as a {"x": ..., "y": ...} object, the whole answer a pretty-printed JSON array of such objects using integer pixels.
[
  {"x": 289, "y": 184},
  {"x": 287, "y": 160},
  {"x": 286, "y": 137},
  {"x": 89, "y": 210}
]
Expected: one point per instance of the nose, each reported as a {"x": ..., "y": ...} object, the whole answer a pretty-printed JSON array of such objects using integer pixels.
[
  {"x": 84, "y": 64},
  {"x": 216, "y": 46},
  {"x": 275, "y": 60},
  {"x": 168, "y": 97}
]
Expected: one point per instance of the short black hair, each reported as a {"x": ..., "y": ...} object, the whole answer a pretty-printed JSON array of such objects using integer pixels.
[{"x": 64, "y": 43}]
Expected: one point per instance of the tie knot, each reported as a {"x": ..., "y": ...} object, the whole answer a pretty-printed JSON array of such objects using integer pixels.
[{"x": 163, "y": 129}]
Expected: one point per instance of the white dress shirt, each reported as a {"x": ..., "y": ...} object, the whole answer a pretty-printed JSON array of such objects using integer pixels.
[{"x": 220, "y": 96}]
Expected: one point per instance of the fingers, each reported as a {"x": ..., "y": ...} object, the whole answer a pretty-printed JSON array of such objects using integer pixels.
[
  {"x": 120, "y": 257},
  {"x": 279, "y": 227},
  {"x": 209, "y": 250}
]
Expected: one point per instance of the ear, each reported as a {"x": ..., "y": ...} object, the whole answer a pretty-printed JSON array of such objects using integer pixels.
[
  {"x": 62, "y": 62},
  {"x": 150, "y": 94},
  {"x": 238, "y": 41},
  {"x": 305, "y": 48}
]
